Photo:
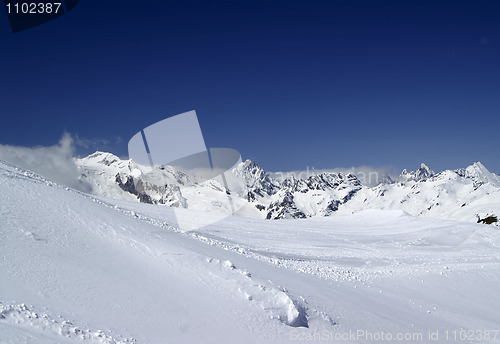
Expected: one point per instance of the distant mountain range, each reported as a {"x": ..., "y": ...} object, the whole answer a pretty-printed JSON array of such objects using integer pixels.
[{"x": 466, "y": 194}]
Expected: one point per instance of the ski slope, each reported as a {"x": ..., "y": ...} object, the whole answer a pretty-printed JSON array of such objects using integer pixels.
[{"x": 75, "y": 268}]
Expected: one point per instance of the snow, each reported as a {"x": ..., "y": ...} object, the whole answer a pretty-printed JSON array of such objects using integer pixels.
[
  {"x": 460, "y": 195},
  {"x": 79, "y": 268},
  {"x": 443, "y": 196},
  {"x": 25, "y": 319}
]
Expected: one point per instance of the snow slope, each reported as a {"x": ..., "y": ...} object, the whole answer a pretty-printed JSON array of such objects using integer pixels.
[{"x": 78, "y": 268}]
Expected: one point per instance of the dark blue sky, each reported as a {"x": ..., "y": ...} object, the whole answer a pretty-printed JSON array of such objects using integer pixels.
[{"x": 290, "y": 84}]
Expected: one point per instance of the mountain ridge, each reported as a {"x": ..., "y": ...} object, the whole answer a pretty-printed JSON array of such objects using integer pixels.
[{"x": 463, "y": 194}]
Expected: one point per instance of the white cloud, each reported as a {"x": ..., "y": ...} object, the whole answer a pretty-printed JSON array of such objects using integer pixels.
[
  {"x": 89, "y": 143},
  {"x": 55, "y": 163},
  {"x": 96, "y": 143}
]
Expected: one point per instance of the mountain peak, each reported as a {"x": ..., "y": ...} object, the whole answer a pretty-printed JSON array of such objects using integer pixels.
[
  {"x": 424, "y": 167},
  {"x": 249, "y": 168},
  {"x": 480, "y": 174},
  {"x": 103, "y": 158},
  {"x": 257, "y": 181},
  {"x": 478, "y": 166},
  {"x": 422, "y": 173},
  {"x": 250, "y": 164}
]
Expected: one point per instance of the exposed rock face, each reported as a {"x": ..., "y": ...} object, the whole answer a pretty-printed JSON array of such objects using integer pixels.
[
  {"x": 284, "y": 208},
  {"x": 167, "y": 194},
  {"x": 341, "y": 187}
]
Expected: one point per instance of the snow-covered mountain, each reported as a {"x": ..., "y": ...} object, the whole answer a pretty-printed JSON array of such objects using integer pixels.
[
  {"x": 319, "y": 195},
  {"x": 465, "y": 194},
  {"x": 124, "y": 179},
  {"x": 422, "y": 173},
  {"x": 79, "y": 268},
  {"x": 462, "y": 195}
]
